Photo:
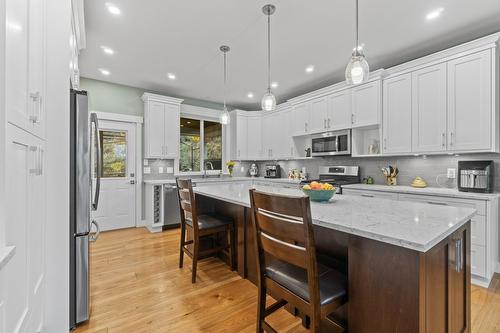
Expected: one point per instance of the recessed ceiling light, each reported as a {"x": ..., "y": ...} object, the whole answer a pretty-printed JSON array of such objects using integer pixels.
[
  {"x": 250, "y": 95},
  {"x": 107, "y": 50},
  {"x": 274, "y": 84},
  {"x": 113, "y": 9},
  {"x": 310, "y": 69},
  {"x": 171, "y": 76},
  {"x": 434, "y": 14},
  {"x": 104, "y": 71}
]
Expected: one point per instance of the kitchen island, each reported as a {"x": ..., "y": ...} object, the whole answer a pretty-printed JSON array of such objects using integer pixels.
[{"x": 408, "y": 264}]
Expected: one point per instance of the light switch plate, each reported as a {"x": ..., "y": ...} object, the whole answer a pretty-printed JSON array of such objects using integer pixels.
[
  {"x": 160, "y": 169},
  {"x": 147, "y": 170},
  {"x": 170, "y": 170},
  {"x": 146, "y": 163},
  {"x": 451, "y": 173}
]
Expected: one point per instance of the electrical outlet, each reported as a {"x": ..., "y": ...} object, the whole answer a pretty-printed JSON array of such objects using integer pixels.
[
  {"x": 147, "y": 170},
  {"x": 160, "y": 169},
  {"x": 170, "y": 170},
  {"x": 451, "y": 173}
]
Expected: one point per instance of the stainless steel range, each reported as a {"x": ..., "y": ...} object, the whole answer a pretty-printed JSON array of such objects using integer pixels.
[{"x": 337, "y": 175}]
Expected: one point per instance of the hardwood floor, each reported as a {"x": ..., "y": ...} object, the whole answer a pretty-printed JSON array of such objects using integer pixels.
[{"x": 136, "y": 286}]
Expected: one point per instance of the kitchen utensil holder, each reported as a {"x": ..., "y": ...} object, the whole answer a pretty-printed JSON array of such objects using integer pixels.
[{"x": 391, "y": 181}]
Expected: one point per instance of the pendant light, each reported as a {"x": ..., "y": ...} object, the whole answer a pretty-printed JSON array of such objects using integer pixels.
[
  {"x": 357, "y": 70},
  {"x": 268, "y": 100},
  {"x": 224, "y": 118}
]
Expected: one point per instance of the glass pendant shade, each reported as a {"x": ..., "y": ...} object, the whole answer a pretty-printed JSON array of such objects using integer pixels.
[
  {"x": 357, "y": 70},
  {"x": 224, "y": 118},
  {"x": 268, "y": 102}
]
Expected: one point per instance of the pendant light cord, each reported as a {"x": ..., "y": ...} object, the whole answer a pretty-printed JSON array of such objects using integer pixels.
[
  {"x": 268, "y": 52},
  {"x": 357, "y": 29},
  {"x": 225, "y": 80}
]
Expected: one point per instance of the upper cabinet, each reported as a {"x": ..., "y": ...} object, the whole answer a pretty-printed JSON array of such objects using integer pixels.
[
  {"x": 339, "y": 110},
  {"x": 366, "y": 104},
  {"x": 300, "y": 116},
  {"x": 397, "y": 114},
  {"x": 318, "y": 117},
  {"x": 239, "y": 133},
  {"x": 428, "y": 109},
  {"x": 161, "y": 126},
  {"x": 254, "y": 145},
  {"x": 470, "y": 106}
]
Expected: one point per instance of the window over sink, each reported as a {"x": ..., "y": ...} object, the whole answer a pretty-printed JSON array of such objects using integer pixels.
[{"x": 200, "y": 146}]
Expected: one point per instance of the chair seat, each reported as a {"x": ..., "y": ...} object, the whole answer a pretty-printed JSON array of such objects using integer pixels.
[
  {"x": 206, "y": 221},
  {"x": 332, "y": 284}
]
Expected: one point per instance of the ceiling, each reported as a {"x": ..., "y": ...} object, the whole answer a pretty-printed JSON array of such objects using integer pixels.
[{"x": 154, "y": 37}]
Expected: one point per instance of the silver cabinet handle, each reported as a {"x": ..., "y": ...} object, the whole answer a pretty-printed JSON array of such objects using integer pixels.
[
  {"x": 451, "y": 138},
  {"x": 324, "y": 123},
  {"x": 328, "y": 123},
  {"x": 458, "y": 255},
  {"x": 40, "y": 161},
  {"x": 94, "y": 236},
  {"x": 443, "y": 139},
  {"x": 132, "y": 182},
  {"x": 437, "y": 203},
  {"x": 95, "y": 121},
  {"x": 36, "y": 160},
  {"x": 368, "y": 195},
  {"x": 36, "y": 99},
  {"x": 385, "y": 144},
  {"x": 352, "y": 118}
]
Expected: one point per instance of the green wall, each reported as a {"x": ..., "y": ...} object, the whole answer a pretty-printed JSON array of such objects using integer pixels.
[{"x": 117, "y": 98}]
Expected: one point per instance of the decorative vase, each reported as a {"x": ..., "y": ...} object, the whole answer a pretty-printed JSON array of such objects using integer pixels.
[
  {"x": 391, "y": 181},
  {"x": 230, "y": 171}
]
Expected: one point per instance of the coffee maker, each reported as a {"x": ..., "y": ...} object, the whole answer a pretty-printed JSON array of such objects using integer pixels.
[
  {"x": 475, "y": 176},
  {"x": 273, "y": 171}
]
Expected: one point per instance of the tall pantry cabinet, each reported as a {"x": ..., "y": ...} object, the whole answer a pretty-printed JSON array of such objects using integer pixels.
[{"x": 22, "y": 303}]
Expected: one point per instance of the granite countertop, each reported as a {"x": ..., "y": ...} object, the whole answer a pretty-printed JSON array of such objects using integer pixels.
[
  {"x": 6, "y": 253},
  {"x": 223, "y": 180},
  {"x": 416, "y": 226},
  {"x": 448, "y": 192}
]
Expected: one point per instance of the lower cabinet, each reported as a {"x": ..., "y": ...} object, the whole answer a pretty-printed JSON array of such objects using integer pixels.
[
  {"x": 484, "y": 226},
  {"x": 25, "y": 186}
]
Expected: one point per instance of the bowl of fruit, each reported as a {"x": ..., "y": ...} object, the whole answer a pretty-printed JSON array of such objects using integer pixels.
[{"x": 319, "y": 191}]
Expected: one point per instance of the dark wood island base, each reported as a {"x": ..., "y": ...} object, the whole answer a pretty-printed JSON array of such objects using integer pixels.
[{"x": 390, "y": 288}]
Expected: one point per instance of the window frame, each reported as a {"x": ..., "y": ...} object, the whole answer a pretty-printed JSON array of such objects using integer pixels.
[{"x": 202, "y": 119}]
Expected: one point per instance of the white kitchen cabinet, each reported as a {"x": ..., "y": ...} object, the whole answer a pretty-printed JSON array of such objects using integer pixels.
[
  {"x": 470, "y": 106},
  {"x": 284, "y": 140},
  {"x": 254, "y": 141},
  {"x": 239, "y": 133},
  {"x": 429, "y": 109},
  {"x": 396, "y": 114},
  {"x": 318, "y": 116},
  {"x": 161, "y": 126},
  {"x": 268, "y": 134},
  {"x": 300, "y": 115},
  {"x": 26, "y": 201},
  {"x": 366, "y": 104},
  {"x": 339, "y": 110}
]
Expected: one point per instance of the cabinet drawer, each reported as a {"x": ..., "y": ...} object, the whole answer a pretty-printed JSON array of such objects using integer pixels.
[
  {"x": 479, "y": 205},
  {"x": 478, "y": 230},
  {"x": 370, "y": 194},
  {"x": 478, "y": 260}
]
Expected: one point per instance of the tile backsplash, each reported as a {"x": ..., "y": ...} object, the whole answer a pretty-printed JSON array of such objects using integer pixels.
[
  {"x": 154, "y": 166},
  {"x": 432, "y": 168}
]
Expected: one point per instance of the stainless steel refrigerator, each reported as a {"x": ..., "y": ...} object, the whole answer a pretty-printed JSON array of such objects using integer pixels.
[{"x": 85, "y": 165}]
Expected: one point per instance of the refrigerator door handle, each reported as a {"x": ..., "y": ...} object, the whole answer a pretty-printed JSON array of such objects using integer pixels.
[
  {"x": 94, "y": 236},
  {"x": 95, "y": 121}
]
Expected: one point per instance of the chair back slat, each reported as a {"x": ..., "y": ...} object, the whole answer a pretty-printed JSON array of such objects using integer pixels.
[
  {"x": 280, "y": 226},
  {"x": 187, "y": 202},
  {"x": 293, "y": 254}
]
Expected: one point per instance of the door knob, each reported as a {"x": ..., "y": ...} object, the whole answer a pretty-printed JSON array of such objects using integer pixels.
[{"x": 132, "y": 181}]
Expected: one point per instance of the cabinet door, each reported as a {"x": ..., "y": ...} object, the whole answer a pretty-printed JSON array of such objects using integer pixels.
[
  {"x": 172, "y": 130},
  {"x": 36, "y": 91},
  {"x": 459, "y": 281},
  {"x": 429, "y": 109},
  {"x": 267, "y": 135},
  {"x": 155, "y": 130},
  {"x": 284, "y": 141},
  {"x": 366, "y": 104},
  {"x": 255, "y": 137},
  {"x": 16, "y": 60},
  {"x": 339, "y": 110},
  {"x": 241, "y": 134},
  {"x": 318, "y": 115},
  {"x": 470, "y": 106},
  {"x": 300, "y": 118},
  {"x": 397, "y": 115}
]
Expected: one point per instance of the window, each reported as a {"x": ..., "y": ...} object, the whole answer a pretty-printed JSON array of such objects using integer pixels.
[
  {"x": 114, "y": 154},
  {"x": 200, "y": 145}
]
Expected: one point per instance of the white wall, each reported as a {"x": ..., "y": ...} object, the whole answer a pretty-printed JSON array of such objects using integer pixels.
[{"x": 57, "y": 167}]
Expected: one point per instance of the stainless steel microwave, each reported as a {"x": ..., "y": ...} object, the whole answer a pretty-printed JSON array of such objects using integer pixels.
[{"x": 331, "y": 143}]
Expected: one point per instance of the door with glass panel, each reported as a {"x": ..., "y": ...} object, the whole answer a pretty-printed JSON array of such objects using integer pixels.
[{"x": 118, "y": 189}]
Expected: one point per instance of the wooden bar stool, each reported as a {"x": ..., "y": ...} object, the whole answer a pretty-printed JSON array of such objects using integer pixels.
[
  {"x": 201, "y": 226},
  {"x": 286, "y": 262}
]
